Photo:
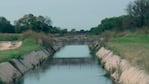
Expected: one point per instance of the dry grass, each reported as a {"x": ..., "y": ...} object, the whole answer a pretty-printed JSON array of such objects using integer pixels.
[
  {"x": 120, "y": 70},
  {"x": 10, "y": 37},
  {"x": 134, "y": 48}
]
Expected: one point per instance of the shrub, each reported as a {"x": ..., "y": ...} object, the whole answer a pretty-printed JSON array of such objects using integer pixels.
[{"x": 10, "y": 37}]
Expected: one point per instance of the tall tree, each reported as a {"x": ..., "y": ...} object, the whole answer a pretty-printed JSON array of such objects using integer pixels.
[
  {"x": 139, "y": 11},
  {"x": 31, "y": 22}
]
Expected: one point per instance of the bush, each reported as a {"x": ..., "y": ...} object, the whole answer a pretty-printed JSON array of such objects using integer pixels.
[
  {"x": 107, "y": 35},
  {"x": 1, "y": 82},
  {"x": 10, "y": 37},
  {"x": 143, "y": 30}
]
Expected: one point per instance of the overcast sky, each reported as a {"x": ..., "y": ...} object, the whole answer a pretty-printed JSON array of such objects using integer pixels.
[{"x": 78, "y": 14}]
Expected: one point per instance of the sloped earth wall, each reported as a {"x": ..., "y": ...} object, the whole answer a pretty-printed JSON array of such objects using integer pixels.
[
  {"x": 119, "y": 69},
  {"x": 13, "y": 70}
]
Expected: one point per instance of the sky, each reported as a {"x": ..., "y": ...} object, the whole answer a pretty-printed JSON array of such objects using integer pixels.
[{"x": 70, "y": 14}]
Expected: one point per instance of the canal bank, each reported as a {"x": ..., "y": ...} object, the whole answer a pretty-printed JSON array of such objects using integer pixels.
[
  {"x": 12, "y": 70},
  {"x": 120, "y": 70}
]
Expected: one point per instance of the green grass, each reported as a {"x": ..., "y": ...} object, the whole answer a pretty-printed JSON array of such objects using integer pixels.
[
  {"x": 134, "y": 48},
  {"x": 27, "y": 46}
]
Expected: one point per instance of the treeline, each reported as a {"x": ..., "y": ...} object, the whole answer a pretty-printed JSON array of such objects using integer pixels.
[
  {"x": 29, "y": 22},
  {"x": 137, "y": 17}
]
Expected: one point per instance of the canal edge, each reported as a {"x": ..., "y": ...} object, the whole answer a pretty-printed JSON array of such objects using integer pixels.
[{"x": 120, "y": 70}]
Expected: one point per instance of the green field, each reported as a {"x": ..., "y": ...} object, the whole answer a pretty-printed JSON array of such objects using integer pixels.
[
  {"x": 27, "y": 46},
  {"x": 134, "y": 48}
]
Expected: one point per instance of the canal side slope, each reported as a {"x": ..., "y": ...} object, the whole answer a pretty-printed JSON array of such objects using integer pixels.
[
  {"x": 12, "y": 70},
  {"x": 120, "y": 70},
  {"x": 15, "y": 63}
]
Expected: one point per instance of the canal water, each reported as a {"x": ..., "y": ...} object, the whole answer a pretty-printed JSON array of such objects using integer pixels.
[{"x": 71, "y": 65}]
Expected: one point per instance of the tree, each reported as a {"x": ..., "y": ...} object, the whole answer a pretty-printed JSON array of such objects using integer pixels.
[
  {"x": 73, "y": 30},
  {"x": 44, "y": 24},
  {"x": 117, "y": 24},
  {"x": 139, "y": 11},
  {"x": 5, "y": 26},
  {"x": 95, "y": 30},
  {"x": 31, "y": 22},
  {"x": 64, "y": 30},
  {"x": 82, "y": 31}
]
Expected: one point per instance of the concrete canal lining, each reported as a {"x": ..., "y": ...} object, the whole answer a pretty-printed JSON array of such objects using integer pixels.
[{"x": 120, "y": 70}]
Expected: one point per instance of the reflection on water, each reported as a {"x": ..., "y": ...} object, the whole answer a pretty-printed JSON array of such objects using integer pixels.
[{"x": 64, "y": 71}]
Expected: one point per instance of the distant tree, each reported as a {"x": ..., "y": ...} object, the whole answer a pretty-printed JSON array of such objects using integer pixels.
[
  {"x": 118, "y": 24},
  {"x": 54, "y": 30},
  {"x": 114, "y": 23},
  {"x": 139, "y": 11},
  {"x": 5, "y": 26},
  {"x": 64, "y": 30},
  {"x": 73, "y": 30},
  {"x": 45, "y": 24},
  {"x": 24, "y": 23},
  {"x": 95, "y": 30},
  {"x": 31, "y": 22},
  {"x": 138, "y": 16},
  {"x": 82, "y": 31}
]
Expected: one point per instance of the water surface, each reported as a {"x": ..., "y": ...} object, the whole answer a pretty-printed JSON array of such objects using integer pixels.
[{"x": 73, "y": 51}]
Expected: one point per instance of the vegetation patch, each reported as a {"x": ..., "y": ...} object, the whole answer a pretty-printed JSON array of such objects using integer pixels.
[
  {"x": 28, "y": 45},
  {"x": 132, "y": 47},
  {"x": 10, "y": 37}
]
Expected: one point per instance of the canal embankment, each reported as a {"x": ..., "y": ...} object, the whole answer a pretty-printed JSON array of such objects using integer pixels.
[
  {"x": 120, "y": 70},
  {"x": 12, "y": 70}
]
